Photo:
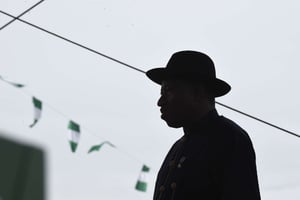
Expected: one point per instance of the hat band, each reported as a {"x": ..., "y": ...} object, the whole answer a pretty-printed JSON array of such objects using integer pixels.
[{"x": 190, "y": 76}]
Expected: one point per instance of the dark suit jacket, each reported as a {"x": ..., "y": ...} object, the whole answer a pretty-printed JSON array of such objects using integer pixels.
[{"x": 214, "y": 161}]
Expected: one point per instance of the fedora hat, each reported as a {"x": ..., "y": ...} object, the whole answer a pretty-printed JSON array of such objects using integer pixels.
[{"x": 191, "y": 66}]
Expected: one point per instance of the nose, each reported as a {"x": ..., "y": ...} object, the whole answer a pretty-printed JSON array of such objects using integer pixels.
[{"x": 161, "y": 101}]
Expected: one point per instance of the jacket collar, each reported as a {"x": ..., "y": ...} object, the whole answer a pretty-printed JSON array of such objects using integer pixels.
[{"x": 202, "y": 124}]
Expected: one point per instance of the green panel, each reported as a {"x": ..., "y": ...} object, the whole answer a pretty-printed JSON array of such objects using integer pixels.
[
  {"x": 95, "y": 148},
  {"x": 145, "y": 168},
  {"x": 73, "y": 146},
  {"x": 37, "y": 103},
  {"x": 21, "y": 172},
  {"x": 74, "y": 126},
  {"x": 141, "y": 186}
]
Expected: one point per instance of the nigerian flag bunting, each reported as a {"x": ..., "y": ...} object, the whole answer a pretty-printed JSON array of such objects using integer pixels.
[
  {"x": 98, "y": 146},
  {"x": 37, "y": 110},
  {"x": 141, "y": 184},
  {"x": 18, "y": 85},
  {"x": 74, "y": 135}
]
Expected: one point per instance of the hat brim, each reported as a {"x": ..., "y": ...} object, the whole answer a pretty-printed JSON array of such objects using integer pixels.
[{"x": 217, "y": 86}]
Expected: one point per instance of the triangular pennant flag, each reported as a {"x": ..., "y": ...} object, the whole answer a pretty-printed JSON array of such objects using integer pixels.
[
  {"x": 98, "y": 147},
  {"x": 141, "y": 184},
  {"x": 37, "y": 110},
  {"x": 74, "y": 135},
  {"x": 18, "y": 85}
]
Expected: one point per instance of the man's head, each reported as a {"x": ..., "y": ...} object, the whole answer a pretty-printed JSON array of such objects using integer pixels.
[
  {"x": 183, "y": 103},
  {"x": 192, "y": 76}
]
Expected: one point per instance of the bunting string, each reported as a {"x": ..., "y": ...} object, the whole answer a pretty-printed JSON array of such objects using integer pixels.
[
  {"x": 18, "y": 85},
  {"x": 73, "y": 127},
  {"x": 139, "y": 70}
]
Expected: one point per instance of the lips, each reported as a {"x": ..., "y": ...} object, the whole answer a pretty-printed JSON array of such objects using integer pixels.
[{"x": 163, "y": 112}]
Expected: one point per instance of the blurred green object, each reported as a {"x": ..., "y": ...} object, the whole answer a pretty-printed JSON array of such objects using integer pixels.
[{"x": 21, "y": 171}]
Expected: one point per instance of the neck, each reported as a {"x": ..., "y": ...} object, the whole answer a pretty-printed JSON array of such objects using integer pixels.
[
  {"x": 198, "y": 122},
  {"x": 200, "y": 113}
]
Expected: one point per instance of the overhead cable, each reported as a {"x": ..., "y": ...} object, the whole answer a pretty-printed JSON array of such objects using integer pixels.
[
  {"x": 257, "y": 119},
  {"x": 72, "y": 42},
  {"x": 137, "y": 69},
  {"x": 23, "y": 13}
]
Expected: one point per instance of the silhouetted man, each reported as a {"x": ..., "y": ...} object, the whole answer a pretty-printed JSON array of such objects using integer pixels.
[{"x": 215, "y": 159}]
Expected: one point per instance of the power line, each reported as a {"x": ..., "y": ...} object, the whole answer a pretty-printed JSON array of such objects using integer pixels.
[
  {"x": 23, "y": 13},
  {"x": 260, "y": 120},
  {"x": 139, "y": 70},
  {"x": 73, "y": 42}
]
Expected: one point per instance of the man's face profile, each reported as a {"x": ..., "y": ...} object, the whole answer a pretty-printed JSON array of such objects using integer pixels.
[{"x": 176, "y": 103}]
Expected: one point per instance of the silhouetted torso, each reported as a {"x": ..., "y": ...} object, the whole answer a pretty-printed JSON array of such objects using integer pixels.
[{"x": 214, "y": 160}]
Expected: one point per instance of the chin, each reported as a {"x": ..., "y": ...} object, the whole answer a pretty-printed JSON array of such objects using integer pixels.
[
  {"x": 174, "y": 124},
  {"x": 171, "y": 122}
]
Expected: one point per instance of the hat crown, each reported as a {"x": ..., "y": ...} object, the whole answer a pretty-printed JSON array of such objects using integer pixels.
[
  {"x": 191, "y": 66},
  {"x": 192, "y": 63}
]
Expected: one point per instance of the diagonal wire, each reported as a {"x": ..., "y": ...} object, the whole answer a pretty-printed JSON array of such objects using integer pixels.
[
  {"x": 257, "y": 119},
  {"x": 23, "y": 13},
  {"x": 139, "y": 70},
  {"x": 73, "y": 42}
]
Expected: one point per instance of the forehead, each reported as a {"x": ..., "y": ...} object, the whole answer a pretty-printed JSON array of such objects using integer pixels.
[
  {"x": 169, "y": 83},
  {"x": 174, "y": 84}
]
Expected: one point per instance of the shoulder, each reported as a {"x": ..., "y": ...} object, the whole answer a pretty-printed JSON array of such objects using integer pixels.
[
  {"x": 229, "y": 137},
  {"x": 227, "y": 128}
]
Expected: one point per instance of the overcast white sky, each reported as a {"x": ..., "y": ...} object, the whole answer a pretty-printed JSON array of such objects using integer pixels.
[{"x": 255, "y": 45}]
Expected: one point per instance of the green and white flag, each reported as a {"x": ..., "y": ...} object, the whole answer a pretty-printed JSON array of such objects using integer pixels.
[
  {"x": 37, "y": 110},
  {"x": 18, "y": 85},
  {"x": 74, "y": 135},
  {"x": 141, "y": 184},
  {"x": 98, "y": 146}
]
